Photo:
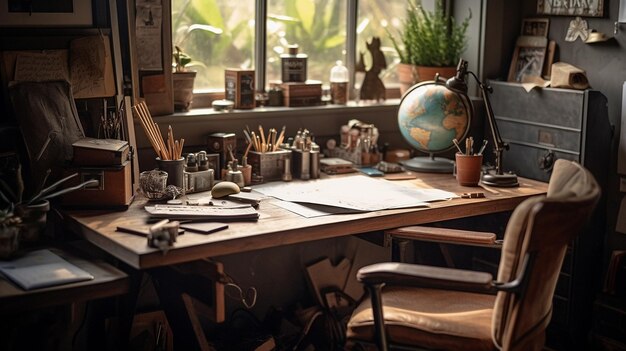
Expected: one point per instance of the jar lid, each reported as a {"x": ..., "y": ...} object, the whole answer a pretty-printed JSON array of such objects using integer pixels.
[
  {"x": 293, "y": 49},
  {"x": 223, "y": 105}
]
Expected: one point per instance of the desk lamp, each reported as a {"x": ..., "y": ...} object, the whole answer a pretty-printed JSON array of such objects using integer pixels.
[{"x": 458, "y": 85}]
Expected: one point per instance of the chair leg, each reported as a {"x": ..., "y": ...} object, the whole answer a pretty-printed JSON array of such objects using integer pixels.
[{"x": 380, "y": 333}]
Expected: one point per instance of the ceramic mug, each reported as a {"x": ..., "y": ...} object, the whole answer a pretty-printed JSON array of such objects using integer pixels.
[{"x": 468, "y": 169}]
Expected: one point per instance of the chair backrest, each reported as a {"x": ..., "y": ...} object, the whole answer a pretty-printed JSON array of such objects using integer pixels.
[{"x": 540, "y": 228}]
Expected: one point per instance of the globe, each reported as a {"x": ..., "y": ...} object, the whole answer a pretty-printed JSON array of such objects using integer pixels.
[{"x": 430, "y": 116}]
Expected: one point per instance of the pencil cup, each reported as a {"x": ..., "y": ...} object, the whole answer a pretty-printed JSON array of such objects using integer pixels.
[
  {"x": 468, "y": 168},
  {"x": 174, "y": 169}
]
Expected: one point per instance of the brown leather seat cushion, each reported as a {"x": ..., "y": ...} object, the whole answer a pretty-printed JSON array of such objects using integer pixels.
[{"x": 438, "y": 319}]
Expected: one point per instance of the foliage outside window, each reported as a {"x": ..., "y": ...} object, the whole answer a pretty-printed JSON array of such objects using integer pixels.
[
  {"x": 318, "y": 27},
  {"x": 219, "y": 34}
]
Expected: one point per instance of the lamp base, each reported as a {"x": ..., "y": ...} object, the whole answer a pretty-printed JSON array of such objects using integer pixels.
[
  {"x": 429, "y": 164},
  {"x": 508, "y": 180}
]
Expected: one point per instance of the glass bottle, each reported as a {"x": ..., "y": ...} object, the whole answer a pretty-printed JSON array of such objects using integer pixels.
[
  {"x": 293, "y": 65},
  {"x": 339, "y": 84}
]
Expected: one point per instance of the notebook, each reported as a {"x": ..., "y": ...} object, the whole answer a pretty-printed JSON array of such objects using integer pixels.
[{"x": 40, "y": 269}]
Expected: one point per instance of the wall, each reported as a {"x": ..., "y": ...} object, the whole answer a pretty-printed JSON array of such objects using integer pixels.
[{"x": 605, "y": 64}]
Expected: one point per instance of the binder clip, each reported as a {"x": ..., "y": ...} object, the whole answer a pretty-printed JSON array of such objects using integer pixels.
[{"x": 163, "y": 234}]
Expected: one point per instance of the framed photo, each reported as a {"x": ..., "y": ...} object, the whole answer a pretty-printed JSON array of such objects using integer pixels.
[
  {"x": 589, "y": 8},
  {"x": 528, "y": 58},
  {"x": 50, "y": 13},
  {"x": 535, "y": 27}
]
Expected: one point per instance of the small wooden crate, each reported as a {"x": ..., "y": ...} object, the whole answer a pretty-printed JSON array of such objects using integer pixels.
[
  {"x": 239, "y": 87},
  {"x": 302, "y": 94}
]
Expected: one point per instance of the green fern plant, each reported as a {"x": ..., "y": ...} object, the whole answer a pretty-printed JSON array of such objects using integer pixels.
[{"x": 431, "y": 38}]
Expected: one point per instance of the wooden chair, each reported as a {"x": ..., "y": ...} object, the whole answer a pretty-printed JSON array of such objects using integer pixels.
[{"x": 424, "y": 307}]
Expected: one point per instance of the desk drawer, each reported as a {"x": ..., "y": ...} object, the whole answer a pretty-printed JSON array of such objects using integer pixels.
[
  {"x": 560, "y": 107},
  {"x": 524, "y": 160}
]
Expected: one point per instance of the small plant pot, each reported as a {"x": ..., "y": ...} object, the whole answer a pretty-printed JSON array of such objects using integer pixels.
[
  {"x": 34, "y": 219},
  {"x": 183, "y": 90}
]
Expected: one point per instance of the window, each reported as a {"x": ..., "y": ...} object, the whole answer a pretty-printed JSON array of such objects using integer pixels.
[
  {"x": 318, "y": 27},
  {"x": 220, "y": 34},
  {"x": 375, "y": 19},
  {"x": 216, "y": 34}
]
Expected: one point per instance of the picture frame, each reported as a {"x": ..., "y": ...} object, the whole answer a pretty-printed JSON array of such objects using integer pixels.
[
  {"x": 535, "y": 27},
  {"x": 39, "y": 13},
  {"x": 590, "y": 8},
  {"x": 528, "y": 58}
]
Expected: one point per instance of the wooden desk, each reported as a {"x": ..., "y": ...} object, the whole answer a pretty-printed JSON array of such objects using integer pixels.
[{"x": 278, "y": 226}]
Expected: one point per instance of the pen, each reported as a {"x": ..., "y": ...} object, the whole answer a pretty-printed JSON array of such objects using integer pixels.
[
  {"x": 482, "y": 148},
  {"x": 456, "y": 143}
]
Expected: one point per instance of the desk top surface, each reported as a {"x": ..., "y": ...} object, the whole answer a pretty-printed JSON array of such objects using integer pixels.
[{"x": 277, "y": 226}]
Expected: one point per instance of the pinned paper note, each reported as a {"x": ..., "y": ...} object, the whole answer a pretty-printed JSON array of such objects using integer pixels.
[
  {"x": 91, "y": 67},
  {"x": 41, "y": 66}
]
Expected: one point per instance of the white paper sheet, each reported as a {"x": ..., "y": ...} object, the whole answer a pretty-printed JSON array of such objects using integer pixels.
[{"x": 358, "y": 193}]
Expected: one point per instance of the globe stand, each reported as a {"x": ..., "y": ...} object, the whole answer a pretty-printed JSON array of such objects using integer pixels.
[
  {"x": 429, "y": 164},
  {"x": 508, "y": 180}
]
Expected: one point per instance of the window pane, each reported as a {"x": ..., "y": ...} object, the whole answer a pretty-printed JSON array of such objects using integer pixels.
[
  {"x": 318, "y": 27},
  {"x": 217, "y": 34},
  {"x": 374, "y": 17}
]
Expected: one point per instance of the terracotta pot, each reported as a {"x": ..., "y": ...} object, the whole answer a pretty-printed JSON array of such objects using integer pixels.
[
  {"x": 410, "y": 75},
  {"x": 183, "y": 90}
]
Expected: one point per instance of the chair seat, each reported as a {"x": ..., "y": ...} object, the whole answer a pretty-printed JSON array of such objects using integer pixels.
[{"x": 430, "y": 318}]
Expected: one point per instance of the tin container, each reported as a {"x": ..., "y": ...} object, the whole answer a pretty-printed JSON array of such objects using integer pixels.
[{"x": 269, "y": 165}]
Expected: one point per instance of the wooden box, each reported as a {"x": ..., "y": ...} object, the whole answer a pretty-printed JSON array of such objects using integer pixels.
[
  {"x": 222, "y": 144},
  {"x": 239, "y": 87},
  {"x": 114, "y": 189},
  {"x": 302, "y": 94},
  {"x": 100, "y": 152}
]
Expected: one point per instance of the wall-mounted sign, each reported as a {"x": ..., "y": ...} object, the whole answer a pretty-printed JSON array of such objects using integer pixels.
[{"x": 584, "y": 8}]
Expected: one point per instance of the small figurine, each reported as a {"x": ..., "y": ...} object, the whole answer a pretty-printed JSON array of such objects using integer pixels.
[{"x": 373, "y": 87}]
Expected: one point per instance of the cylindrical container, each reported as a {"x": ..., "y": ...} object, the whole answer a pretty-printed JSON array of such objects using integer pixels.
[
  {"x": 293, "y": 65},
  {"x": 247, "y": 174},
  {"x": 468, "y": 169},
  {"x": 191, "y": 163},
  {"x": 203, "y": 161},
  {"x": 174, "y": 169},
  {"x": 339, "y": 84},
  {"x": 305, "y": 165},
  {"x": 315, "y": 162}
]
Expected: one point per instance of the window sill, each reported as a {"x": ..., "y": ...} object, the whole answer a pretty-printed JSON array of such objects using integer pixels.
[{"x": 272, "y": 112}]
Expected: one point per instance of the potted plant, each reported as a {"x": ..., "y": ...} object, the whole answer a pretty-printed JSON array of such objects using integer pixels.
[
  {"x": 183, "y": 80},
  {"x": 32, "y": 212},
  {"x": 431, "y": 42}
]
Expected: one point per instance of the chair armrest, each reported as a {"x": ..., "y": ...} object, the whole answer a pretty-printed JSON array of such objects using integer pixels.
[
  {"x": 445, "y": 235},
  {"x": 403, "y": 274}
]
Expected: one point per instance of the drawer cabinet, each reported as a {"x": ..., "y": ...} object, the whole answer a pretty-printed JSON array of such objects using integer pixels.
[{"x": 541, "y": 126}]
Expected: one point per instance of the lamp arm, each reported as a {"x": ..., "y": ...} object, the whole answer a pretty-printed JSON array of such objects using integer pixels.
[{"x": 499, "y": 145}]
